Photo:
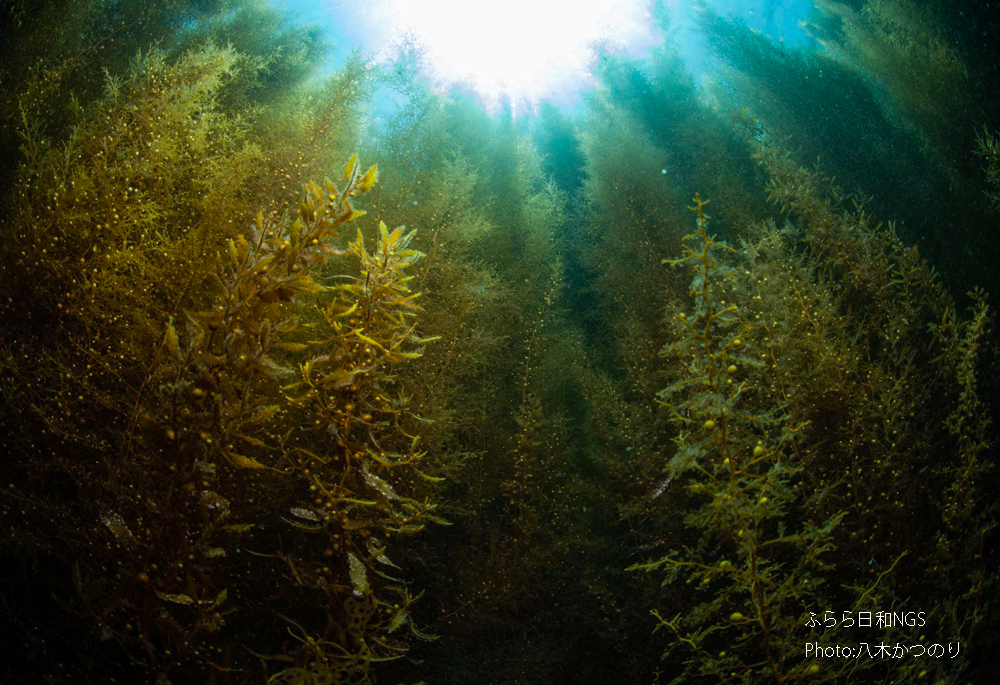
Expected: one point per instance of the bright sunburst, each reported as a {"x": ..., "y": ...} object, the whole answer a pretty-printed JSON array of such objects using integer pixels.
[{"x": 526, "y": 48}]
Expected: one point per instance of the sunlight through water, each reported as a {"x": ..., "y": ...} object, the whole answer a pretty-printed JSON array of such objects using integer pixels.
[{"x": 523, "y": 48}]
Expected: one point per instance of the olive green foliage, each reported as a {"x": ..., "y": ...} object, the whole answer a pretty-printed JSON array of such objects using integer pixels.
[
  {"x": 812, "y": 435},
  {"x": 851, "y": 132},
  {"x": 213, "y": 400},
  {"x": 502, "y": 386},
  {"x": 988, "y": 150},
  {"x": 629, "y": 201},
  {"x": 109, "y": 230},
  {"x": 896, "y": 424},
  {"x": 648, "y": 142},
  {"x": 244, "y": 441},
  {"x": 482, "y": 263},
  {"x": 901, "y": 48},
  {"x": 163, "y": 449},
  {"x": 630, "y": 205},
  {"x": 557, "y": 137},
  {"x": 764, "y": 532},
  {"x": 283, "y": 54},
  {"x": 190, "y": 504},
  {"x": 898, "y": 91},
  {"x": 757, "y": 558},
  {"x": 63, "y": 51},
  {"x": 920, "y": 359},
  {"x": 682, "y": 132}
]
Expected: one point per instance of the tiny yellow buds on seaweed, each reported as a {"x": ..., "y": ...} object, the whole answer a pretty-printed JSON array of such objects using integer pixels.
[
  {"x": 736, "y": 617},
  {"x": 758, "y": 450},
  {"x": 682, "y": 316},
  {"x": 813, "y": 669},
  {"x": 737, "y": 342},
  {"x": 763, "y": 500},
  {"x": 710, "y": 424},
  {"x": 732, "y": 369}
]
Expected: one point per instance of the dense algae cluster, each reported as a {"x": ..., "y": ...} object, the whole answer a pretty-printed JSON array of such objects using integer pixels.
[{"x": 559, "y": 426}]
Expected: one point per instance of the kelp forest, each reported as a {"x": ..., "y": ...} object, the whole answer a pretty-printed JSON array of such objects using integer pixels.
[{"x": 314, "y": 372}]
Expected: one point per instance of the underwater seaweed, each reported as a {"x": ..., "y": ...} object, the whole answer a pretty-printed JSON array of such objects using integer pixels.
[
  {"x": 988, "y": 150},
  {"x": 245, "y": 446},
  {"x": 756, "y": 559},
  {"x": 891, "y": 374}
]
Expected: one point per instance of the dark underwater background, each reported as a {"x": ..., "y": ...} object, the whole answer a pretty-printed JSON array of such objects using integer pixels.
[{"x": 683, "y": 379}]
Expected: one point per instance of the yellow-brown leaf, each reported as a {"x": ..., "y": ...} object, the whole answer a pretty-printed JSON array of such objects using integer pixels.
[
  {"x": 172, "y": 343},
  {"x": 369, "y": 179},
  {"x": 244, "y": 462},
  {"x": 351, "y": 167}
]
